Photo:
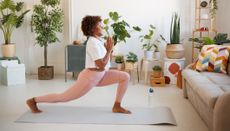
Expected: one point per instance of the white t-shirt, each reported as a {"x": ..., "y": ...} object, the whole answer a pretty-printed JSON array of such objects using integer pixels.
[{"x": 95, "y": 50}]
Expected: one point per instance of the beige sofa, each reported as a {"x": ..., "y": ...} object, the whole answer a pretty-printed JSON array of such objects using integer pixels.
[{"x": 209, "y": 93}]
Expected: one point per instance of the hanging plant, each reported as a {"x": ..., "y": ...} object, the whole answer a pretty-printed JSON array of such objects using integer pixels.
[{"x": 213, "y": 8}]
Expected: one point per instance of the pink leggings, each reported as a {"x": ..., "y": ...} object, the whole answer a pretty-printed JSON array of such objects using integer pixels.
[{"x": 88, "y": 79}]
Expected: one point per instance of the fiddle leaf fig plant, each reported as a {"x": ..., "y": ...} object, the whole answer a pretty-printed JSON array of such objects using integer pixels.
[
  {"x": 11, "y": 17},
  {"x": 47, "y": 21},
  {"x": 117, "y": 28},
  {"x": 148, "y": 40}
]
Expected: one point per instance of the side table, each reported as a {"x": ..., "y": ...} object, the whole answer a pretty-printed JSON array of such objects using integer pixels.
[{"x": 172, "y": 67}]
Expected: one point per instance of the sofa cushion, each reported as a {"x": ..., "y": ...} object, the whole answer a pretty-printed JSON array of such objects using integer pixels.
[
  {"x": 225, "y": 87},
  {"x": 213, "y": 58},
  {"x": 203, "y": 86},
  {"x": 218, "y": 78}
]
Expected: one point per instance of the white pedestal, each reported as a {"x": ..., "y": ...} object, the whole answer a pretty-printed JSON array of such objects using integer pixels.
[
  {"x": 12, "y": 73},
  {"x": 172, "y": 67}
]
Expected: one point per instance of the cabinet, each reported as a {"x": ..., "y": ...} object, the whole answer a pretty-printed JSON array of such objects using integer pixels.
[
  {"x": 204, "y": 24},
  {"x": 74, "y": 59}
]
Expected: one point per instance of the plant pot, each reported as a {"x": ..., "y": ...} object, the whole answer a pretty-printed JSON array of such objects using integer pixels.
[
  {"x": 157, "y": 55},
  {"x": 148, "y": 54},
  {"x": 45, "y": 72},
  {"x": 119, "y": 66},
  {"x": 8, "y": 50},
  {"x": 130, "y": 65},
  {"x": 175, "y": 51},
  {"x": 156, "y": 74}
]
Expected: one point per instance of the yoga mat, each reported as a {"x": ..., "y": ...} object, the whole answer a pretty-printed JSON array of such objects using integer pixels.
[{"x": 99, "y": 115}]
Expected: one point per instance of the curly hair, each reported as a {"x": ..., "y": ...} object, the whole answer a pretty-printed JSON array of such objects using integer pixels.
[{"x": 88, "y": 24}]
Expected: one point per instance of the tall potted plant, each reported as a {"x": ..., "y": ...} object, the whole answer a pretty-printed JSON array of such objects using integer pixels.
[
  {"x": 174, "y": 49},
  {"x": 11, "y": 17},
  {"x": 47, "y": 21}
]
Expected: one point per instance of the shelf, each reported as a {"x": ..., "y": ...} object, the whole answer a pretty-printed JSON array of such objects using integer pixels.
[
  {"x": 197, "y": 30},
  {"x": 203, "y": 19},
  {"x": 206, "y": 8}
]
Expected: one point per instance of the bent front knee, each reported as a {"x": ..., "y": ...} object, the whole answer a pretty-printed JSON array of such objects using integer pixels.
[{"x": 125, "y": 76}]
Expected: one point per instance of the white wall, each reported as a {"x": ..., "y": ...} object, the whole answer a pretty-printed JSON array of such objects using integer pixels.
[
  {"x": 31, "y": 54},
  {"x": 137, "y": 12},
  {"x": 223, "y": 17}
]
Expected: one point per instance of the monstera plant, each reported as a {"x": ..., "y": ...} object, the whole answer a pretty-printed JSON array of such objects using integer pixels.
[
  {"x": 47, "y": 21},
  {"x": 11, "y": 17}
]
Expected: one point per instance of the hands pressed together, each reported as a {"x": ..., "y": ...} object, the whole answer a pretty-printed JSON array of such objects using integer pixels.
[{"x": 109, "y": 44}]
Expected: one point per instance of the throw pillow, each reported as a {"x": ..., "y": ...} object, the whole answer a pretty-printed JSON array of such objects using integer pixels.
[{"x": 213, "y": 58}]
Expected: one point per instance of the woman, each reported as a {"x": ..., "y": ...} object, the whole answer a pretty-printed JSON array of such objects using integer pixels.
[{"x": 96, "y": 72}]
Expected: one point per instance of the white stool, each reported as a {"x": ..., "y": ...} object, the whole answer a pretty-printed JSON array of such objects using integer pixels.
[{"x": 12, "y": 73}]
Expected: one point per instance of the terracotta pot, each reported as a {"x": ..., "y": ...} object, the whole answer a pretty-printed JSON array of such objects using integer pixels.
[
  {"x": 8, "y": 50},
  {"x": 156, "y": 74},
  {"x": 175, "y": 51},
  {"x": 45, "y": 72}
]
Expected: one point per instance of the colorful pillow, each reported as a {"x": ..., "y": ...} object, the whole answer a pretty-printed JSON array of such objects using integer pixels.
[{"x": 213, "y": 58}]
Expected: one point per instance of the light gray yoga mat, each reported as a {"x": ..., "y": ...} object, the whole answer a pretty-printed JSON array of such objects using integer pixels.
[{"x": 99, "y": 115}]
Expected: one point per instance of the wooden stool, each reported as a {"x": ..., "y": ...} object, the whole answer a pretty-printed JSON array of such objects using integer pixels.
[{"x": 160, "y": 82}]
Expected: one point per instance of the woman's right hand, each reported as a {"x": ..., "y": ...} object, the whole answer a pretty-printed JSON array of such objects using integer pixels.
[{"x": 109, "y": 44}]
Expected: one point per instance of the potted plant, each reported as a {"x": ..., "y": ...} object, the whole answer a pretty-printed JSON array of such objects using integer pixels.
[
  {"x": 131, "y": 61},
  {"x": 11, "y": 17},
  {"x": 119, "y": 60},
  {"x": 149, "y": 43},
  {"x": 219, "y": 39},
  {"x": 47, "y": 20},
  {"x": 157, "y": 71},
  {"x": 175, "y": 50},
  {"x": 117, "y": 28}
]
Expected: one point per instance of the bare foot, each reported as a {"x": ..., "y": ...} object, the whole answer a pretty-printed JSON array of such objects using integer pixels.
[
  {"x": 121, "y": 110},
  {"x": 33, "y": 105}
]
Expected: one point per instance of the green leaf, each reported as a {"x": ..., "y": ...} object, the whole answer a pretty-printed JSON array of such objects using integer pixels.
[
  {"x": 136, "y": 28},
  {"x": 153, "y": 27},
  {"x": 106, "y": 21}
]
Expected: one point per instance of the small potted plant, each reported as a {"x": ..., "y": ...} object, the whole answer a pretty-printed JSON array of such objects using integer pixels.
[
  {"x": 119, "y": 60},
  {"x": 157, "y": 71},
  {"x": 11, "y": 17},
  {"x": 174, "y": 49},
  {"x": 131, "y": 61},
  {"x": 149, "y": 43}
]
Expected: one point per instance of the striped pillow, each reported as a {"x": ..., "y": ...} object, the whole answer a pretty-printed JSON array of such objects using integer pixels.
[{"x": 213, "y": 58}]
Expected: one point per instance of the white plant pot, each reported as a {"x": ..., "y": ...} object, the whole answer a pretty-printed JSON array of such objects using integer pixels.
[
  {"x": 157, "y": 55},
  {"x": 148, "y": 55},
  {"x": 119, "y": 66}
]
